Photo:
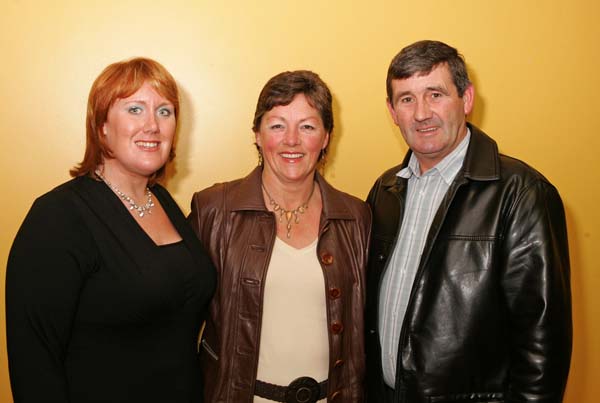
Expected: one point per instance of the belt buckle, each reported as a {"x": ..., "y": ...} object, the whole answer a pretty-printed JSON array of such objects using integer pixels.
[{"x": 302, "y": 390}]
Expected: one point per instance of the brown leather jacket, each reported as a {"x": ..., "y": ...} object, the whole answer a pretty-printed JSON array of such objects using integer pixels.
[{"x": 238, "y": 231}]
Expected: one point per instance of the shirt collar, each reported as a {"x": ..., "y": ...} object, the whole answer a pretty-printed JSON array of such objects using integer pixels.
[{"x": 447, "y": 168}]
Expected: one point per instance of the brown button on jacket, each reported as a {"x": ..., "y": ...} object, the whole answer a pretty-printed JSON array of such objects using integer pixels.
[{"x": 238, "y": 231}]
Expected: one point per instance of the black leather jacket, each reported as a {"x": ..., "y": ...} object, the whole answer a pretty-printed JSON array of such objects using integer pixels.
[{"x": 489, "y": 315}]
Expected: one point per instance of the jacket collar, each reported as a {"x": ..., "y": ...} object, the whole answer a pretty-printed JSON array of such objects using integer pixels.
[
  {"x": 248, "y": 196},
  {"x": 482, "y": 162}
]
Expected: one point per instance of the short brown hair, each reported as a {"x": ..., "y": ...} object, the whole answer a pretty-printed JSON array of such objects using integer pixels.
[
  {"x": 281, "y": 90},
  {"x": 422, "y": 57},
  {"x": 120, "y": 80}
]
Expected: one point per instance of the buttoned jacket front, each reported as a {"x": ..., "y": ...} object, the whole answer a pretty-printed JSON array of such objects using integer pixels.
[
  {"x": 489, "y": 314},
  {"x": 239, "y": 232}
]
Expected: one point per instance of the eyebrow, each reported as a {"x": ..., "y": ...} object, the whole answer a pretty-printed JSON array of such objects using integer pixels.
[
  {"x": 437, "y": 88},
  {"x": 301, "y": 120},
  {"x": 139, "y": 101},
  {"x": 134, "y": 101},
  {"x": 403, "y": 93}
]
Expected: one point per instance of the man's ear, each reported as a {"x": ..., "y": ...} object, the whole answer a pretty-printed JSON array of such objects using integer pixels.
[
  {"x": 392, "y": 111},
  {"x": 468, "y": 99}
]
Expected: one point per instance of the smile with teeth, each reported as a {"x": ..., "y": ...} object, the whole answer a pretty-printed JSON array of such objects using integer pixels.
[
  {"x": 292, "y": 155},
  {"x": 147, "y": 144},
  {"x": 427, "y": 130}
]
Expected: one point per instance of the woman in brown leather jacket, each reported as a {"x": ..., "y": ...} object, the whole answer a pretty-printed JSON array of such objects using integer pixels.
[{"x": 286, "y": 323}]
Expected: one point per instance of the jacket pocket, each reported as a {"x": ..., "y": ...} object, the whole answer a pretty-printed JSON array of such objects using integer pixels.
[{"x": 209, "y": 350}]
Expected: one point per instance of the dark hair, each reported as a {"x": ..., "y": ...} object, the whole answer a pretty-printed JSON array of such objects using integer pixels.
[
  {"x": 120, "y": 80},
  {"x": 281, "y": 90},
  {"x": 422, "y": 57}
]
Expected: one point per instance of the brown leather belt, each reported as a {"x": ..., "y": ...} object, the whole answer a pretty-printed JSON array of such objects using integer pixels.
[{"x": 300, "y": 390}]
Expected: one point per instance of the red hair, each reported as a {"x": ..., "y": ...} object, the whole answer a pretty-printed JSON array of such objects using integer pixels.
[{"x": 120, "y": 80}]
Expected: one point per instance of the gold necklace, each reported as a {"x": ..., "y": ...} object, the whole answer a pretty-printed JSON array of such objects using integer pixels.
[{"x": 289, "y": 214}]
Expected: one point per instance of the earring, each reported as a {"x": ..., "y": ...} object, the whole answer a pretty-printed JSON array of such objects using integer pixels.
[
  {"x": 260, "y": 156},
  {"x": 321, "y": 162},
  {"x": 323, "y": 156}
]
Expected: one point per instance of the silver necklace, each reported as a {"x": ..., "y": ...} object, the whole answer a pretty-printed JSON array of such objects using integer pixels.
[
  {"x": 140, "y": 210},
  {"x": 289, "y": 214}
]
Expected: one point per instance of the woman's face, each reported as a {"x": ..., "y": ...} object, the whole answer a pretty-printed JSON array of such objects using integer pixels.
[
  {"x": 291, "y": 138},
  {"x": 139, "y": 130}
]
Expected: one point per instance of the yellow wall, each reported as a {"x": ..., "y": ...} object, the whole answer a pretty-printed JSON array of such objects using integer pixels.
[{"x": 534, "y": 64}]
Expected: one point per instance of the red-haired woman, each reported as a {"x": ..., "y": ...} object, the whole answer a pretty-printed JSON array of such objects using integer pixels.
[{"x": 107, "y": 286}]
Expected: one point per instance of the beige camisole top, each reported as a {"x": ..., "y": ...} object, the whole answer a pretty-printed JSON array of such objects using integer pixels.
[{"x": 294, "y": 340}]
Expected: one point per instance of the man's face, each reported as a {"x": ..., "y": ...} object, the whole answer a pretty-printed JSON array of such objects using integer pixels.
[{"x": 430, "y": 114}]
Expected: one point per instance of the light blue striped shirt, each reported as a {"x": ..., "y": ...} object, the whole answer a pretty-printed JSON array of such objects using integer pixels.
[{"x": 423, "y": 197}]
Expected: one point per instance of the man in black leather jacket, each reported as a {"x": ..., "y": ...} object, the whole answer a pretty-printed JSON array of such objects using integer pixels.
[{"x": 468, "y": 294}]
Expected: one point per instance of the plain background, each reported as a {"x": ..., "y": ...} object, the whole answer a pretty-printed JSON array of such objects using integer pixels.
[{"x": 535, "y": 66}]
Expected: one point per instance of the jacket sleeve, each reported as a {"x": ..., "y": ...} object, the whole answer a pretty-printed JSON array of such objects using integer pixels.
[
  {"x": 374, "y": 384},
  {"x": 536, "y": 287},
  {"x": 195, "y": 217},
  {"x": 207, "y": 219},
  {"x": 207, "y": 222},
  {"x": 44, "y": 276}
]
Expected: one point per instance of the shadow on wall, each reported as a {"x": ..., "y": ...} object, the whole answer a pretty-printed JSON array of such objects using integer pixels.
[
  {"x": 179, "y": 168},
  {"x": 326, "y": 164},
  {"x": 477, "y": 116},
  {"x": 578, "y": 378}
]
